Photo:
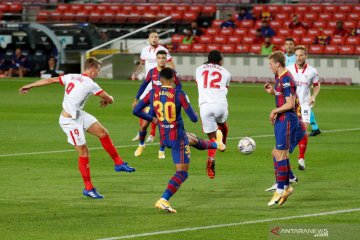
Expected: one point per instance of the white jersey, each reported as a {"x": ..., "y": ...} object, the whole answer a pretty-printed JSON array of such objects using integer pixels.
[
  {"x": 212, "y": 82},
  {"x": 148, "y": 54},
  {"x": 78, "y": 88},
  {"x": 304, "y": 78}
]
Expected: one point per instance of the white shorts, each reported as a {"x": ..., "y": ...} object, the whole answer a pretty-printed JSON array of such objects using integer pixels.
[
  {"x": 211, "y": 114},
  {"x": 305, "y": 113},
  {"x": 75, "y": 128}
]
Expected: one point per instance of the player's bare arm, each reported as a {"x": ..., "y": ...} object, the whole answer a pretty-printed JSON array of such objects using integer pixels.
[
  {"x": 25, "y": 89},
  {"x": 290, "y": 104},
  {"x": 138, "y": 70},
  {"x": 316, "y": 91},
  {"x": 269, "y": 88},
  {"x": 105, "y": 99},
  {"x": 171, "y": 64}
]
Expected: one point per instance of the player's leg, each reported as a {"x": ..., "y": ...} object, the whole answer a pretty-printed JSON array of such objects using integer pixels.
[
  {"x": 95, "y": 128},
  {"x": 74, "y": 130},
  {"x": 151, "y": 137},
  {"x": 224, "y": 130},
  {"x": 181, "y": 158},
  {"x": 314, "y": 127},
  {"x": 161, "y": 150},
  {"x": 142, "y": 135},
  {"x": 201, "y": 144},
  {"x": 305, "y": 114}
]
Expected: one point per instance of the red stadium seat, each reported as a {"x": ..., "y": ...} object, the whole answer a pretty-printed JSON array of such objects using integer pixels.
[
  {"x": 346, "y": 50},
  {"x": 325, "y": 16},
  {"x": 15, "y": 8},
  {"x": 246, "y": 23},
  {"x": 357, "y": 50},
  {"x": 257, "y": 9},
  {"x": 63, "y": 7},
  {"x": 282, "y": 16},
  {"x": 316, "y": 9},
  {"x": 156, "y": 8},
  {"x": 75, "y": 7},
  {"x": 54, "y": 16},
  {"x": 320, "y": 24},
  {"x": 310, "y": 17},
  {"x": 68, "y": 17},
  {"x": 208, "y": 10},
  {"x": 227, "y": 31},
  {"x": 331, "y": 50},
  {"x": 121, "y": 17},
  {"x": 345, "y": 8},
  {"x": 182, "y": 8},
  {"x": 196, "y": 8},
  {"x": 241, "y": 31},
  {"x": 339, "y": 16},
  {"x": 189, "y": 17},
  {"x": 275, "y": 24},
  {"x": 242, "y": 48},
  {"x": 211, "y": 47},
  {"x": 248, "y": 39},
  {"x": 135, "y": 17},
  {"x": 168, "y": 8},
  {"x": 107, "y": 17},
  {"x": 184, "y": 48},
  {"x": 278, "y": 40},
  {"x": 330, "y": 8},
  {"x": 313, "y": 32},
  {"x": 102, "y": 8},
  {"x": 350, "y": 24},
  {"x": 328, "y": 31},
  {"x": 220, "y": 39},
  {"x": 299, "y": 32},
  {"x": 216, "y": 23},
  {"x": 176, "y": 16},
  {"x": 234, "y": 39},
  {"x": 255, "y": 48},
  {"x": 212, "y": 31},
  {"x": 337, "y": 41},
  {"x": 316, "y": 49},
  {"x": 307, "y": 40},
  {"x": 128, "y": 8},
  {"x": 198, "y": 48},
  {"x": 273, "y": 9},
  {"x": 176, "y": 38},
  {"x": 227, "y": 48},
  {"x": 149, "y": 16},
  {"x": 95, "y": 16},
  {"x": 258, "y": 24},
  {"x": 287, "y": 9},
  {"x": 206, "y": 39},
  {"x": 141, "y": 8},
  {"x": 252, "y": 31},
  {"x": 301, "y": 9},
  {"x": 352, "y": 41},
  {"x": 91, "y": 7},
  {"x": 353, "y": 16},
  {"x": 356, "y": 8},
  {"x": 42, "y": 16},
  {"x": 81, "y": 16},
  {"x": 284, "y": 32}
]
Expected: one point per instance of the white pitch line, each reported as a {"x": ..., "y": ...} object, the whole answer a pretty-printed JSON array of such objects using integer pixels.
[
  {"x": 232, "y": 224},
  {"x": 149, "y": 144}
]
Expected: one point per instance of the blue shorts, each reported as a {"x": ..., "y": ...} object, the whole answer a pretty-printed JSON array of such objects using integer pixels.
[
  {"x": 180, "y": 150},
  {"x": 288, "y": 132}
]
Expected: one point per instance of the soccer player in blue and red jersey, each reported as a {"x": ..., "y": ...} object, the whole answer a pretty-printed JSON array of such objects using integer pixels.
[
  {"x": 287, "y": 127},
  {"x": 166, "y": 103},
  {"x": 152, "y": 81}
]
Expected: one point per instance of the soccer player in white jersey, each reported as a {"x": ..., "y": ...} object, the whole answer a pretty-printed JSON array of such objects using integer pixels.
[
  {"x": 305, "y": 76},
  {"x": 74, "y": 121},
  {"x": 148, "y": 58},
  {"x": 213, "y": 81}
]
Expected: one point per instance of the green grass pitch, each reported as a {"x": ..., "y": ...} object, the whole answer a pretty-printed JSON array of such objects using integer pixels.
[{"x": 41, "y": 188}]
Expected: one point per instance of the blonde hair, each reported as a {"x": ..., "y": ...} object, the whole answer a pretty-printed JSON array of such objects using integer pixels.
[
  {"x": 92, "y": 62},
  {"x": 279, "y": 57},
  {"x": 300, "y": 47}
]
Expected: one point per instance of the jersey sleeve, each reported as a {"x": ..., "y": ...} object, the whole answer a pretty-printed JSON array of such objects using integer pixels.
[
  {"x": 63, "y": 80},
  {"x": 142, "y": 54},
  {"x": 288, "y": 86},
  {"x": 95, "y": 89},
  {"x": 168, "y": 56},
  {"x": 144, "y": 85},
  {"x": 185, "y": 103},
  {"x": 228, "y": 80},
  {"x": 315, "y": 78},
  {"x": 141, "y": 105}
]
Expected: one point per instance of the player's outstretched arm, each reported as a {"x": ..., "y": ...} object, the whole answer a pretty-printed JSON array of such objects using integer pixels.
[
  {"x": 105, "y": 99},
  {"x": 26, "y": 88},
  {"x": 185, "y": 103},
  {"x": 316, "y": 91},
  {"x": 138, "y": 70}
]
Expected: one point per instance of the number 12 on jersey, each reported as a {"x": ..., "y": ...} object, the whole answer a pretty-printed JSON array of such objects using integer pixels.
[{"x": 214, "y": 78}]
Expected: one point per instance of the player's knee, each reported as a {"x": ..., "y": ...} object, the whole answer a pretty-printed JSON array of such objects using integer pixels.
[
  {"x": 83, "y": 151},
  {"x": 104, "y": 132}
]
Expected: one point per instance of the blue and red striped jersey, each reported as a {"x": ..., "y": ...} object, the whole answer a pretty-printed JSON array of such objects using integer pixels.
[
  {"x": 166, "y": 103},
  {"x": 153, "y": 77},
  {"x": 285, "y": 87}
]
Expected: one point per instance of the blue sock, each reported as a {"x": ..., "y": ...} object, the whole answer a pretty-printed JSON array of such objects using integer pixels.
[
  {"x": 162, "y": 148},
  {"x": 142, "y": 135},
  {"x": 313, "y": 123},
  {"x": 282, "y": 176},
  {"x": 174, "y": 184},
  {"x": 291, "y": 174},
  {"x": 202, "y": 144}
]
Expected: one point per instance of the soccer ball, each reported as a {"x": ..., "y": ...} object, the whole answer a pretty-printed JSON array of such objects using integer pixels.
[{"x": 246, "y": 145}]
